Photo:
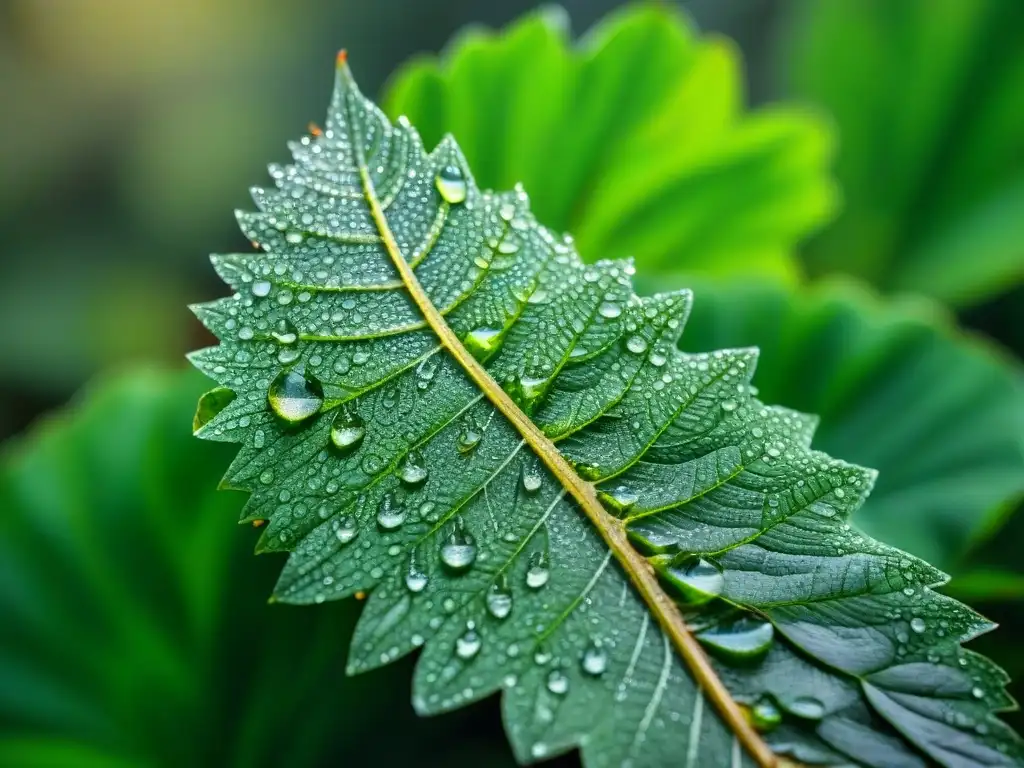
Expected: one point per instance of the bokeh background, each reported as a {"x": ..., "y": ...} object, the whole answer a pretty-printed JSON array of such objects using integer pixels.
[{"x": 842, "y": 182}]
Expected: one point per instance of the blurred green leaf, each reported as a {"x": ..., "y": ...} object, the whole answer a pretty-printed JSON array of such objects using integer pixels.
[
  {"x": 636, "y": 140},
  {"x": 926, "y": 94},
  {"x": 123, "y": 641},
  {"x": 938, "y": 412}
]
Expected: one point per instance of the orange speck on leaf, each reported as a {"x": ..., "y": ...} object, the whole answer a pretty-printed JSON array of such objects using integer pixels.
[
  {"x": 315, "y": 129},
  {"x": 342, "y": 57},
  {"x": 360, "y": 595},
  {"x": 258, "y": 523}
]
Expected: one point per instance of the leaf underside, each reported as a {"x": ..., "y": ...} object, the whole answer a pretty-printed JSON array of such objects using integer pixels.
[{"x": 381, "y": 466}]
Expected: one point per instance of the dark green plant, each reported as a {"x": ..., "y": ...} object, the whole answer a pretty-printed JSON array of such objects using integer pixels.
[{"x": 441, "y": 405}]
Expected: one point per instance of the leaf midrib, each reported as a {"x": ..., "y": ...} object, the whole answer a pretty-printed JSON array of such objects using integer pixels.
[{"x": 611, "y": 530}]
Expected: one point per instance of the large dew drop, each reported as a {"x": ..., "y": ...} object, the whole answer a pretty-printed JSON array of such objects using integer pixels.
[
  {"x": 412, "y": 472},
  {"x": 594, "y": 660},
  {"x": 538, "y": 573},
  {"x": 558, "y": 682},
  {"x": 390, "y": 514},
  {"x": 415, "y": 577},
  {"x": 285, "y": 332},
  {"x": 451, "y": 183},
  {"x": 295, "y": 397},
  {"x": 765, "y": 715},
  {"x": 499, "y": 598},
  {"x": 740, "y": 640},
  {"x": 695, "y": 579},
  {"x": 619, "y": 499},
  {"x": 468, "y": 644},
  {"x": 532, "y": 478},
  {"x": 806, "y": 707},
  {"x": 348, "y": 430},
  {"x": 482, "y": 342},
  {"x": 459, "y": 549}
]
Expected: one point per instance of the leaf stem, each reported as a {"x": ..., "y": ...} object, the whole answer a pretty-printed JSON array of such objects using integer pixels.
[{"x": 639, "y": 571}]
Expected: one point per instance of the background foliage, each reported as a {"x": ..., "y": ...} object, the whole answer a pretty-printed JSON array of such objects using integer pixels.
[{"x": 864, "y": 226}]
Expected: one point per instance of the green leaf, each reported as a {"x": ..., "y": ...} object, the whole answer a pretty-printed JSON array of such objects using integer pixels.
[
  {"x": 924, "y": 94},
  {"x": 122, "y": 631},
  {"x": 940, "y": 413},
  {"x": 439, "y": 404},
  {"x": 636, "y": 140}
]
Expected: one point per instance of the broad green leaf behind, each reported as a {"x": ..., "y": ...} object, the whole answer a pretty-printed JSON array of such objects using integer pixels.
[{"x": 636, "y": 139}]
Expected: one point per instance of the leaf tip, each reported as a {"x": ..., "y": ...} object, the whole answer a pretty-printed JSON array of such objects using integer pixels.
[{"x": 341, "y": 60}]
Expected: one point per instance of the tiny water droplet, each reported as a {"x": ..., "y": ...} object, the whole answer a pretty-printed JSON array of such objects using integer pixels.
[
  {"x": 347, "y": 529},
  {"x": 739, "y": 640},
  {"x": 468, "y": 644},
  {"x": 539, "y": 572},
  {"x": 609, "y": 310},
  {"x": 459, "y": 548},
  {"x": 295, "y": 397},
  {"x": 390, "y": 513},
  {"x": 594, "y": 660},
  {"x": 261, "y": 288},
  {"x": 729, "y": 406},
  {"x": 348, "y": 430},
  {"x": 412, "y": 472},
  {"x": 697, "y": 580},
  {"x": 285, "y": 332},
  {"x": 558, "y": 682},
  {"x": 499, "y": 598},
  {"x": 451, "y": 183},
  {"x": 765, "y": 715},
  {"x": 918, "y": 624}
]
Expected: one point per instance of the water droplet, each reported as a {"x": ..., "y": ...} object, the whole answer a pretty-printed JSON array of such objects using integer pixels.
[
  {"x": 261, "y": 288},
  {"x": 539, "y": 572},
  {"x": 594, "y": 660},
  {"x": 346, "y": 530},
  {"x": 977, "y": 693},
  {"x": 390, "y": 514},
  {"x": 482, "y": 342},
  {"x": 918, "y": 625},
  {"x": 469, "y": 438},
  {"x": 412, "y": 472},
  {"x": 451, "y": 183},
  {"x": 499, "y": 598},
  {"x": 295, "y": 397},
  {"x": 415, "y": 576},
  {"x": 729, "y": 406},
  {"x": 532, "y": 387},
  {"x": 532, "y": 478},
  {"x": 468, "y": 644},
  {"x": 806, "y": 707},
  {"x": 285, "y": 332},
  {"x": 609, "y": 310},
  {"x": 739, "y": 640},
  {"x": 697, "y": 580},
  {"x": 620, "y": 499},
  {"x": 765, "y": 715},
  {"x": 348, "y": 430},
  {"x": 558, "y": 682},
  {"x": 459, "y": 549},
  {"x": 637, "y": 345}
]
